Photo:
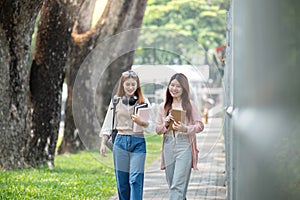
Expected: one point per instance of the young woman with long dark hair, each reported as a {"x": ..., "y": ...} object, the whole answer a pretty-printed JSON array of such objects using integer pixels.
[{"x": 179, "y": 149}]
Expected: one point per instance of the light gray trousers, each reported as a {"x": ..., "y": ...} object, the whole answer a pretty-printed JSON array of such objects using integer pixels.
[{"x": 178, "y": 162}]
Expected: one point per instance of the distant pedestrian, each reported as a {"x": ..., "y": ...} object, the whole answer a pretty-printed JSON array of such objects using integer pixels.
[
  {"x": 179, "y": 148},
  {"x": 129, "y": 148}
]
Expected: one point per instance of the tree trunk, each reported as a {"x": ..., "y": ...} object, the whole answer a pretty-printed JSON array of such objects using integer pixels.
[
  {"x": 119, "y": 16},
  {"x": 47, "y": 77},
  {"x": 71, "y": 142},
  {"x": 17, "y": 20}
]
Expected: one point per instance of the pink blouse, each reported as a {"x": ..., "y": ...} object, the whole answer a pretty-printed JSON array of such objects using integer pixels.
[{"x": 193, "y": 127}]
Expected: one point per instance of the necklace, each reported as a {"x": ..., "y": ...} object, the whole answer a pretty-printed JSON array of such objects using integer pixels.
[{"x": 176, "y": 103}]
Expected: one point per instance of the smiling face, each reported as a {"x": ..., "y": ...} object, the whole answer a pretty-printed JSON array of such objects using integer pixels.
[
  {"x": 175, "y": 89},
  {"x": 130, "y": 86}
]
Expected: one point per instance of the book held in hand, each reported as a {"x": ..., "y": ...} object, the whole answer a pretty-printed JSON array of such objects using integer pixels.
[
  {"x": 179, "y": 116},
  {"x": 137, "y": 107},
  {"x": 144, "y": 112}
]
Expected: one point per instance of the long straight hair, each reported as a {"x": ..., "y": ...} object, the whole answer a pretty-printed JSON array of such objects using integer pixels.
[
  {"x": 138, "y": 92},
  {"x": 185, "y": 97}
]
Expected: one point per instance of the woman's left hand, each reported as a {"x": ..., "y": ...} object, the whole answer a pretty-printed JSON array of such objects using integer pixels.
[
  {"x": 178, "y": 126},
  {"x": 137, "y": 119}
]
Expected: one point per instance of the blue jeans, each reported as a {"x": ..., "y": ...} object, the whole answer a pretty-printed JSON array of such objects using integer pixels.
[{"x": 129, "y": 159}]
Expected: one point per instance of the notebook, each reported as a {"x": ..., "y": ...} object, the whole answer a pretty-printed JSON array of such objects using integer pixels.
[
  {"x": 144, "y": 113},
  {"x": 144, "y": 105},
  {"x": 179, "y": 115}
]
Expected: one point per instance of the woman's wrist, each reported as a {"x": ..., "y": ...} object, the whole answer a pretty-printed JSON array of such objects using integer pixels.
[
  {"x": 167, "y": 124},
  {"x": 104, "y": 139},
  {"x": 145, "y": 124}
]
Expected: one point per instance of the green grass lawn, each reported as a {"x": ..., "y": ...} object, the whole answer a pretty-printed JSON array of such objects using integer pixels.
[{"x": 85, "y": 175}]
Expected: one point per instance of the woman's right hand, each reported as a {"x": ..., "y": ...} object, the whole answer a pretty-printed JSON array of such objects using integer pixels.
[
  {"x": 168, "y": 119},
  {"x": 102, "y": 150},
  {"x": 103, "y": 147}
]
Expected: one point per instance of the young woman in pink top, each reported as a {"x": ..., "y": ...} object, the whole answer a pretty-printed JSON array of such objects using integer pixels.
[{"x": 179, "y": 148}]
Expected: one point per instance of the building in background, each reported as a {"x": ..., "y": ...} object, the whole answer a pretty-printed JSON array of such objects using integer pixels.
[{"x": 154, "y": 80}]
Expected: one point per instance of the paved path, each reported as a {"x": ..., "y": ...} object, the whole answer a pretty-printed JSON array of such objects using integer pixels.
[{"x": 206, "y": 183}]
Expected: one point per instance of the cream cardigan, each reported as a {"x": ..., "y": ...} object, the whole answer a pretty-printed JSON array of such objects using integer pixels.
[{"x": 123, "y": 121}]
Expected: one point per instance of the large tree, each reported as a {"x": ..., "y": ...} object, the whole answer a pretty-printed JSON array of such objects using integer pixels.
[
  {"x": 202, "y": 21},
  {"x": 24, "y": 143},
  {"x": 47, "y": 76},
  {"x": 17, "y": 19},
  {"x": 118, "y": 16}
]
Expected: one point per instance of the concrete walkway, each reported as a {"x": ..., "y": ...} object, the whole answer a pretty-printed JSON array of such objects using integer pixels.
[{"x": 206, "y": 183}]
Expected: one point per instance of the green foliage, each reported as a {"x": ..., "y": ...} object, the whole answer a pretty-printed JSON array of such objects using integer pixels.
[
  {"x": 203, "y": 22},
  {"x": 154, "y": 144},
  {"x": 79, "y": 176}
]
